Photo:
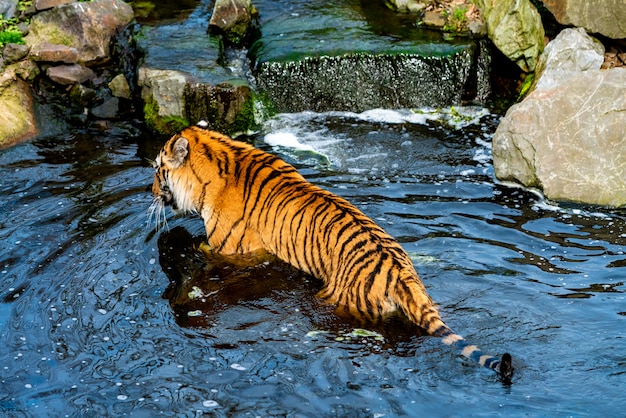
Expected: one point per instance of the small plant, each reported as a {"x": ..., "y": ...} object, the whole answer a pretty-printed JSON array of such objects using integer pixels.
[
  {"x": 10, "y": 37},
  {"x": 456, "y": 21},
  {"x": 24, "y": 5},
  {"x": 9, "y": 32}
]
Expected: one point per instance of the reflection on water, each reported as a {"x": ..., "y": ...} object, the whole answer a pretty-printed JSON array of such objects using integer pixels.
[{"x": 102, "y": 315}]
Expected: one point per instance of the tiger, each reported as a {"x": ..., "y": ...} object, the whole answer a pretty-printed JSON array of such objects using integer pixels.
[{"x": 252, "y": 201}]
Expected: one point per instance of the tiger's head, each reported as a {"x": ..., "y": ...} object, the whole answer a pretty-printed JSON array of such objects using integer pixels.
[{"x": 173, "y": 181}]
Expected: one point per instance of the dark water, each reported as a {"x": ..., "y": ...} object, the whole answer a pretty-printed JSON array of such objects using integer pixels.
[{"x": 99, "y": 315}]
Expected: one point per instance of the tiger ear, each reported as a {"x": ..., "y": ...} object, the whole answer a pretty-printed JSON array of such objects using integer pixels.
[{"x": 180, "y": 149}]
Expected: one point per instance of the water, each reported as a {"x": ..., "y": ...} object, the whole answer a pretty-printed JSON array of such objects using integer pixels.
[{"x": 102, "y": 315}]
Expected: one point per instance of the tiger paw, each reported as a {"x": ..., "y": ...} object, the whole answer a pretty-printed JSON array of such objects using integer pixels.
[{"x": 205, "y": 248}]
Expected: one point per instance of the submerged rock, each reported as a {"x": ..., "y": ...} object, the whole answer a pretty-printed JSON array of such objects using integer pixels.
[{"x": 107, "y": 110}]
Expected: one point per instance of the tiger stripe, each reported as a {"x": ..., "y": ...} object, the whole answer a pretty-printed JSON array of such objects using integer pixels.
[{"x": 254, "y": 201}]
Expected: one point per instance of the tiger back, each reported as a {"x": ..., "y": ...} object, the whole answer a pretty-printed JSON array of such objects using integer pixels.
[{"x": 253, "y": 201}]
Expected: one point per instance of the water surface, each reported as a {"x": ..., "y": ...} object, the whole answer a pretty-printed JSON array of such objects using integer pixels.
[{"x": 103, "y": 315}]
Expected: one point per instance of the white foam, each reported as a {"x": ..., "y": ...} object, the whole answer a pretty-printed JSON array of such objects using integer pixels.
[
  {"x": 394, "y": 116},
  {"x": 287, "y": 140},
  {"x": 456, "y": 117}
]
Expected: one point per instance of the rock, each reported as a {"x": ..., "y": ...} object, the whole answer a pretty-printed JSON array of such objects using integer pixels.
[
  {"x": 119, "y": 87},
  {"x": 614, "y": 58},
  {"x": 515, "y": 28},
  {"x": 568, "y": 140},
  {"x": 70, "y": 74},
  {"x": 477, "y": 27},
  {"x": 48, "y": 52},
  {"x": 27, "y": 70},
  {"x": 226, "y": 107},
  {"x": 570, "y": 53},
  {"x": 433, "y": 18},
  {"x": 14, "y": 52},
  {"x": 83, "y": 96},
  {"x": 8, "y": 8},
  {"x": 17, "y": 120},
  {"x": 163, "y": 95},
  {"x": 406, "y": 6},
  {"x": 233, "y": 19},
  {"x": 359, "y": 82},
  {"x": 49, "y": 4},
  {"x": 173, "y": 98},
  {"x": 87, "y": 26},
  {"x": 107, "y": 110},
  {"x": 606, "y": 17}
]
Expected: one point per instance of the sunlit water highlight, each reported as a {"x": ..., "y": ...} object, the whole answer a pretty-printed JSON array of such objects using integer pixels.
[{"x": 101, "y": 315}]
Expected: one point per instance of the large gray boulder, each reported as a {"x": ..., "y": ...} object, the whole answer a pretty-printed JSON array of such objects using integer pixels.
[
  {"x": 568, "y": 140},
  {"x": 570, "y": 53},
  {"x": 607, "y": 17},
  {"x": 515, "y": 28}
]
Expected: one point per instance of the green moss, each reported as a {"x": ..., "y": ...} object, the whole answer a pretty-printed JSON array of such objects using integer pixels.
[
  {"x": 162, "y": 124},
  {"x": 244, "y": 121},
  {"x": 51, "y": 33},
  {"x": 14, "y": 115},
  {"x": 254, "y": 111},
  {"x": 528, "y": 83},
  {"x": 264, "y": 106},
  {"x": 24, "y": 5},
  {"x": 143, "y": 8}
]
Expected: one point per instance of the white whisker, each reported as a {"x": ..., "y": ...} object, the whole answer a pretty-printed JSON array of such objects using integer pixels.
[{"x": 156, "y": 211}]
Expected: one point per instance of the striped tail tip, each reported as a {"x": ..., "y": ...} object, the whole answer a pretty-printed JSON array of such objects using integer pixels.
[
  {"x": 506, "y": 367},
  {"x": 503, "y": 366}
]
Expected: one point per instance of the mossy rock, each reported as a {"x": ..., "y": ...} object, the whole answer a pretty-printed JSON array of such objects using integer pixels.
[
  {"x": 167, "y": 125},
  {"x": 17, "y": 121}
]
